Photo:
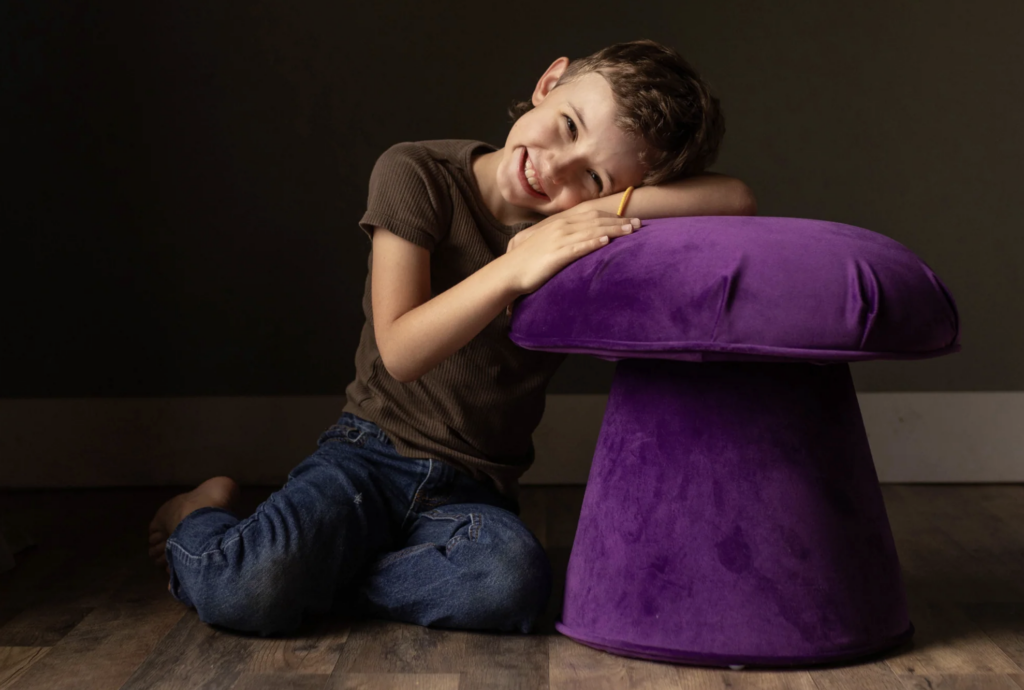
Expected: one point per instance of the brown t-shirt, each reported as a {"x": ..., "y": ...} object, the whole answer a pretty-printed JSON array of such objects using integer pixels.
[{"x": 478, "y": 408}]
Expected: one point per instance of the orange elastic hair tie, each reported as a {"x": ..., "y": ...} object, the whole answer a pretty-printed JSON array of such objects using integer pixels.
[{"x": 625, "y": 200}]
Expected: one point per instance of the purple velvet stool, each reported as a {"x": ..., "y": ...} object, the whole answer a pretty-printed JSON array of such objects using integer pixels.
[{"x": 733, "y": 515}]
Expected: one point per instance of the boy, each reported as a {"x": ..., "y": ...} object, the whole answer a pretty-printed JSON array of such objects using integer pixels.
[{"x": 408, "y": 508}]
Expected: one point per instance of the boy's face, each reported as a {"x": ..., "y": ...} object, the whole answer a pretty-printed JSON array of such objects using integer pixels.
[{"x": 568, "y": 146}]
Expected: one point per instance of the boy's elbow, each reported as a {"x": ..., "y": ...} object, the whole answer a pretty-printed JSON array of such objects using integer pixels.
[
  {"x": 747, "y": 202},
  {"x": 394, "y": 368},
  {"x": 397, "y": 372}
]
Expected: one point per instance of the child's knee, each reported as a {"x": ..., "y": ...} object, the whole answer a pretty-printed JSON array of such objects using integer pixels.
[
  {"x": 262, "y": 611},
  {"x": 512, "y": 582},
  {"x": 522, "y": 584}
]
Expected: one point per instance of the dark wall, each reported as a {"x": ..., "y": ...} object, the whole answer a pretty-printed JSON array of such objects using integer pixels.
[{"x": 183, "y": 180}]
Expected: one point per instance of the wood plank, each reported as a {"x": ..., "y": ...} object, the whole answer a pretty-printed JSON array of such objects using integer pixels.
[
  {"x": 41, "y": 626},
  {"x": 315, "y": 652},
  {"x": 577, "y": 667},
  {"x": 747, "y": 679},
  {"x": 875, "y": 675},
  {"x": 281, "y": 681},
  {"x": 105, "y": 648},
  {"x": 485, "y": 660},
  {"x": 994, "y": 543},
  {"x": 505, "y": 662},
  {"x": 193, "y": 655},
  {"x": 15, "y": 661},
  {"x": 376, "y": 646},
  {"x": 947, "y": 642},
  {"x": 935, "y": 566},
  {"x": 973, "y": 681},
  {"x": 1005, "y": 500},
  {"x": 1003, "y": 623},
  {"x": 574, "y": 666},
  {"x": 395, "y": 681}
]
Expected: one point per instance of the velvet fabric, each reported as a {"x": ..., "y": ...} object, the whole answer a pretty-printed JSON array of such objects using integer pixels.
[
  {"x": 713, "y": 288},
  {"x": 733, "y": 514}
]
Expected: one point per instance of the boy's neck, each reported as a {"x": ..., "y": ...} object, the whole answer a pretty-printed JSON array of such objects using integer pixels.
[{"x": 485, "y": 170}]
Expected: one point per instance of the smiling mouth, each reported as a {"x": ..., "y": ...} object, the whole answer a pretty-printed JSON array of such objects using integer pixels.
[{"x": 524, "y": 178}]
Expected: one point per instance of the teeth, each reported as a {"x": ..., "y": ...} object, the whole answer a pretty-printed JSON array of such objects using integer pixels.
[{"x": 531, "y": 176}]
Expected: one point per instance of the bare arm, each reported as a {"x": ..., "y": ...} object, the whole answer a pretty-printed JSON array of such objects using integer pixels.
[
  {"x": 708, "y": 194},
  {"x": 416, "y": 332}
]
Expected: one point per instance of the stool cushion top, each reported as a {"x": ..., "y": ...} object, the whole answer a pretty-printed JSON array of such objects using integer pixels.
[{"x": 753, "y": 288}]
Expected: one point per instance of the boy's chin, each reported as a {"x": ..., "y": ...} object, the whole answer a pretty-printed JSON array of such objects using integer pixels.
[{"x": 533, "y": 210}]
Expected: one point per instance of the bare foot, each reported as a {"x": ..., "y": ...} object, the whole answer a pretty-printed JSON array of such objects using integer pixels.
[{"x": 219, "y": 492}]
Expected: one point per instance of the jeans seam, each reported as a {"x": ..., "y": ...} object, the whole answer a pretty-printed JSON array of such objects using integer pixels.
[
  {"x": 251, "y": 520},
  {"x": 451, "y": 544},
  {"x": 416, "y": 496},
  {"x": 185, "y": 552},
  {"x": 476, "y": 522}
]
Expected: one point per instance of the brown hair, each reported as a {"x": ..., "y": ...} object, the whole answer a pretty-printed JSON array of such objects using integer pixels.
[{"x": 662, "y": 100}]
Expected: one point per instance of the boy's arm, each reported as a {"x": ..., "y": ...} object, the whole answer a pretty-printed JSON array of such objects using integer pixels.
[
  {"x": 707, "y": 194},
  {"x": 415, "y": 332}
]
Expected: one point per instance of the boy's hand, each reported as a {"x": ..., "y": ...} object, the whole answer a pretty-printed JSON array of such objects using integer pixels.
[{"x": 541, "y": 251}]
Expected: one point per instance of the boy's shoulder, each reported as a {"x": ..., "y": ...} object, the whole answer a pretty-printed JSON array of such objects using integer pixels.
[{"x": 456, "y": 152}]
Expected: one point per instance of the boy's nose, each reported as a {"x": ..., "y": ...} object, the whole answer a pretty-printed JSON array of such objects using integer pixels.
[
  {"x": 555, "y": 172},
  {"x": 561, "y": 167}
]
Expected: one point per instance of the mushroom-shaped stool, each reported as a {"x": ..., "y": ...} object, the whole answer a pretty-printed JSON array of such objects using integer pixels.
[{"x": 733, "y": 514}]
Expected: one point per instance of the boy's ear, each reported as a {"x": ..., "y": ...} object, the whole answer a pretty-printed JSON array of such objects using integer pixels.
[{"x": 549, "y": 79}]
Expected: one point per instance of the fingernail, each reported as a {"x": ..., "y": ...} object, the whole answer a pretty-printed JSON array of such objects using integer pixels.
[
  {"x": 627, "y": 228},
  {"x": 635, "y": 222}
]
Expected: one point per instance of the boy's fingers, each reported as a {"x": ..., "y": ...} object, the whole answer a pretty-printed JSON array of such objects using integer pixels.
[{"x": 611, "y": 221}]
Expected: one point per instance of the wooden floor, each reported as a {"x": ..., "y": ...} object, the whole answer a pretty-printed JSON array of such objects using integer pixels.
[{"x": 86, "y": 609}]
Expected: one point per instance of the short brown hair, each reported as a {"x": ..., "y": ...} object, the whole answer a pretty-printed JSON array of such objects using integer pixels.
[{"x": 661, "y": 100}]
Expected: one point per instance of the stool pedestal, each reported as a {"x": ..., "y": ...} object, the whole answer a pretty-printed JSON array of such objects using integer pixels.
[{"x": 733, "y": 516}]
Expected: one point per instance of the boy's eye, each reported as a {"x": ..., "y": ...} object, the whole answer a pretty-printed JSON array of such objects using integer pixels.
[
  {"x": 572, "y": 127},
  {"x": 572, "y": 132}
]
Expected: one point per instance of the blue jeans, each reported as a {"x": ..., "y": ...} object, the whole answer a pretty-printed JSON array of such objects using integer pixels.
[{"x": 359, "y": 529}]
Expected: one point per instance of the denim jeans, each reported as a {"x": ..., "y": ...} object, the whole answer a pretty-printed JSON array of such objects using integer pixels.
[{"x": 359, "y": 529}]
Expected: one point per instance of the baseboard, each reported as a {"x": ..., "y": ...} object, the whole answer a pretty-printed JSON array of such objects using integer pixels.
[{"x": 80, "y": 442}]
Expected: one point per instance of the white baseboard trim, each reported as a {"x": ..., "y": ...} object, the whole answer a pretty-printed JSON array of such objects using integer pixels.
[{"x": 81, "y": 442}]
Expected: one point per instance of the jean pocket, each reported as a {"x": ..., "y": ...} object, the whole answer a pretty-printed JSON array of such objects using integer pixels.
[
  {"x": 343, "y": 433},
  {"x": 453, "y": 527}
]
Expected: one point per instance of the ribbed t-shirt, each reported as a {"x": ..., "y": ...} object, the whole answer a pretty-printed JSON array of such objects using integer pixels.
[{"x": 478, "y": 408}]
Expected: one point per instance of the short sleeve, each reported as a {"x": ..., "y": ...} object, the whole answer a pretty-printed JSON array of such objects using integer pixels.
[{"x": 409, "y": 196}]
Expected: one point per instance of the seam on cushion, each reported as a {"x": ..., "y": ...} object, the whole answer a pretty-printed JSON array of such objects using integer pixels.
[
  {"x": 937, "y": 282},
  {"x": 562, "y": 344},
  {"x": 867, "y": 281},
  {"x": 728, "y": 295}
]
